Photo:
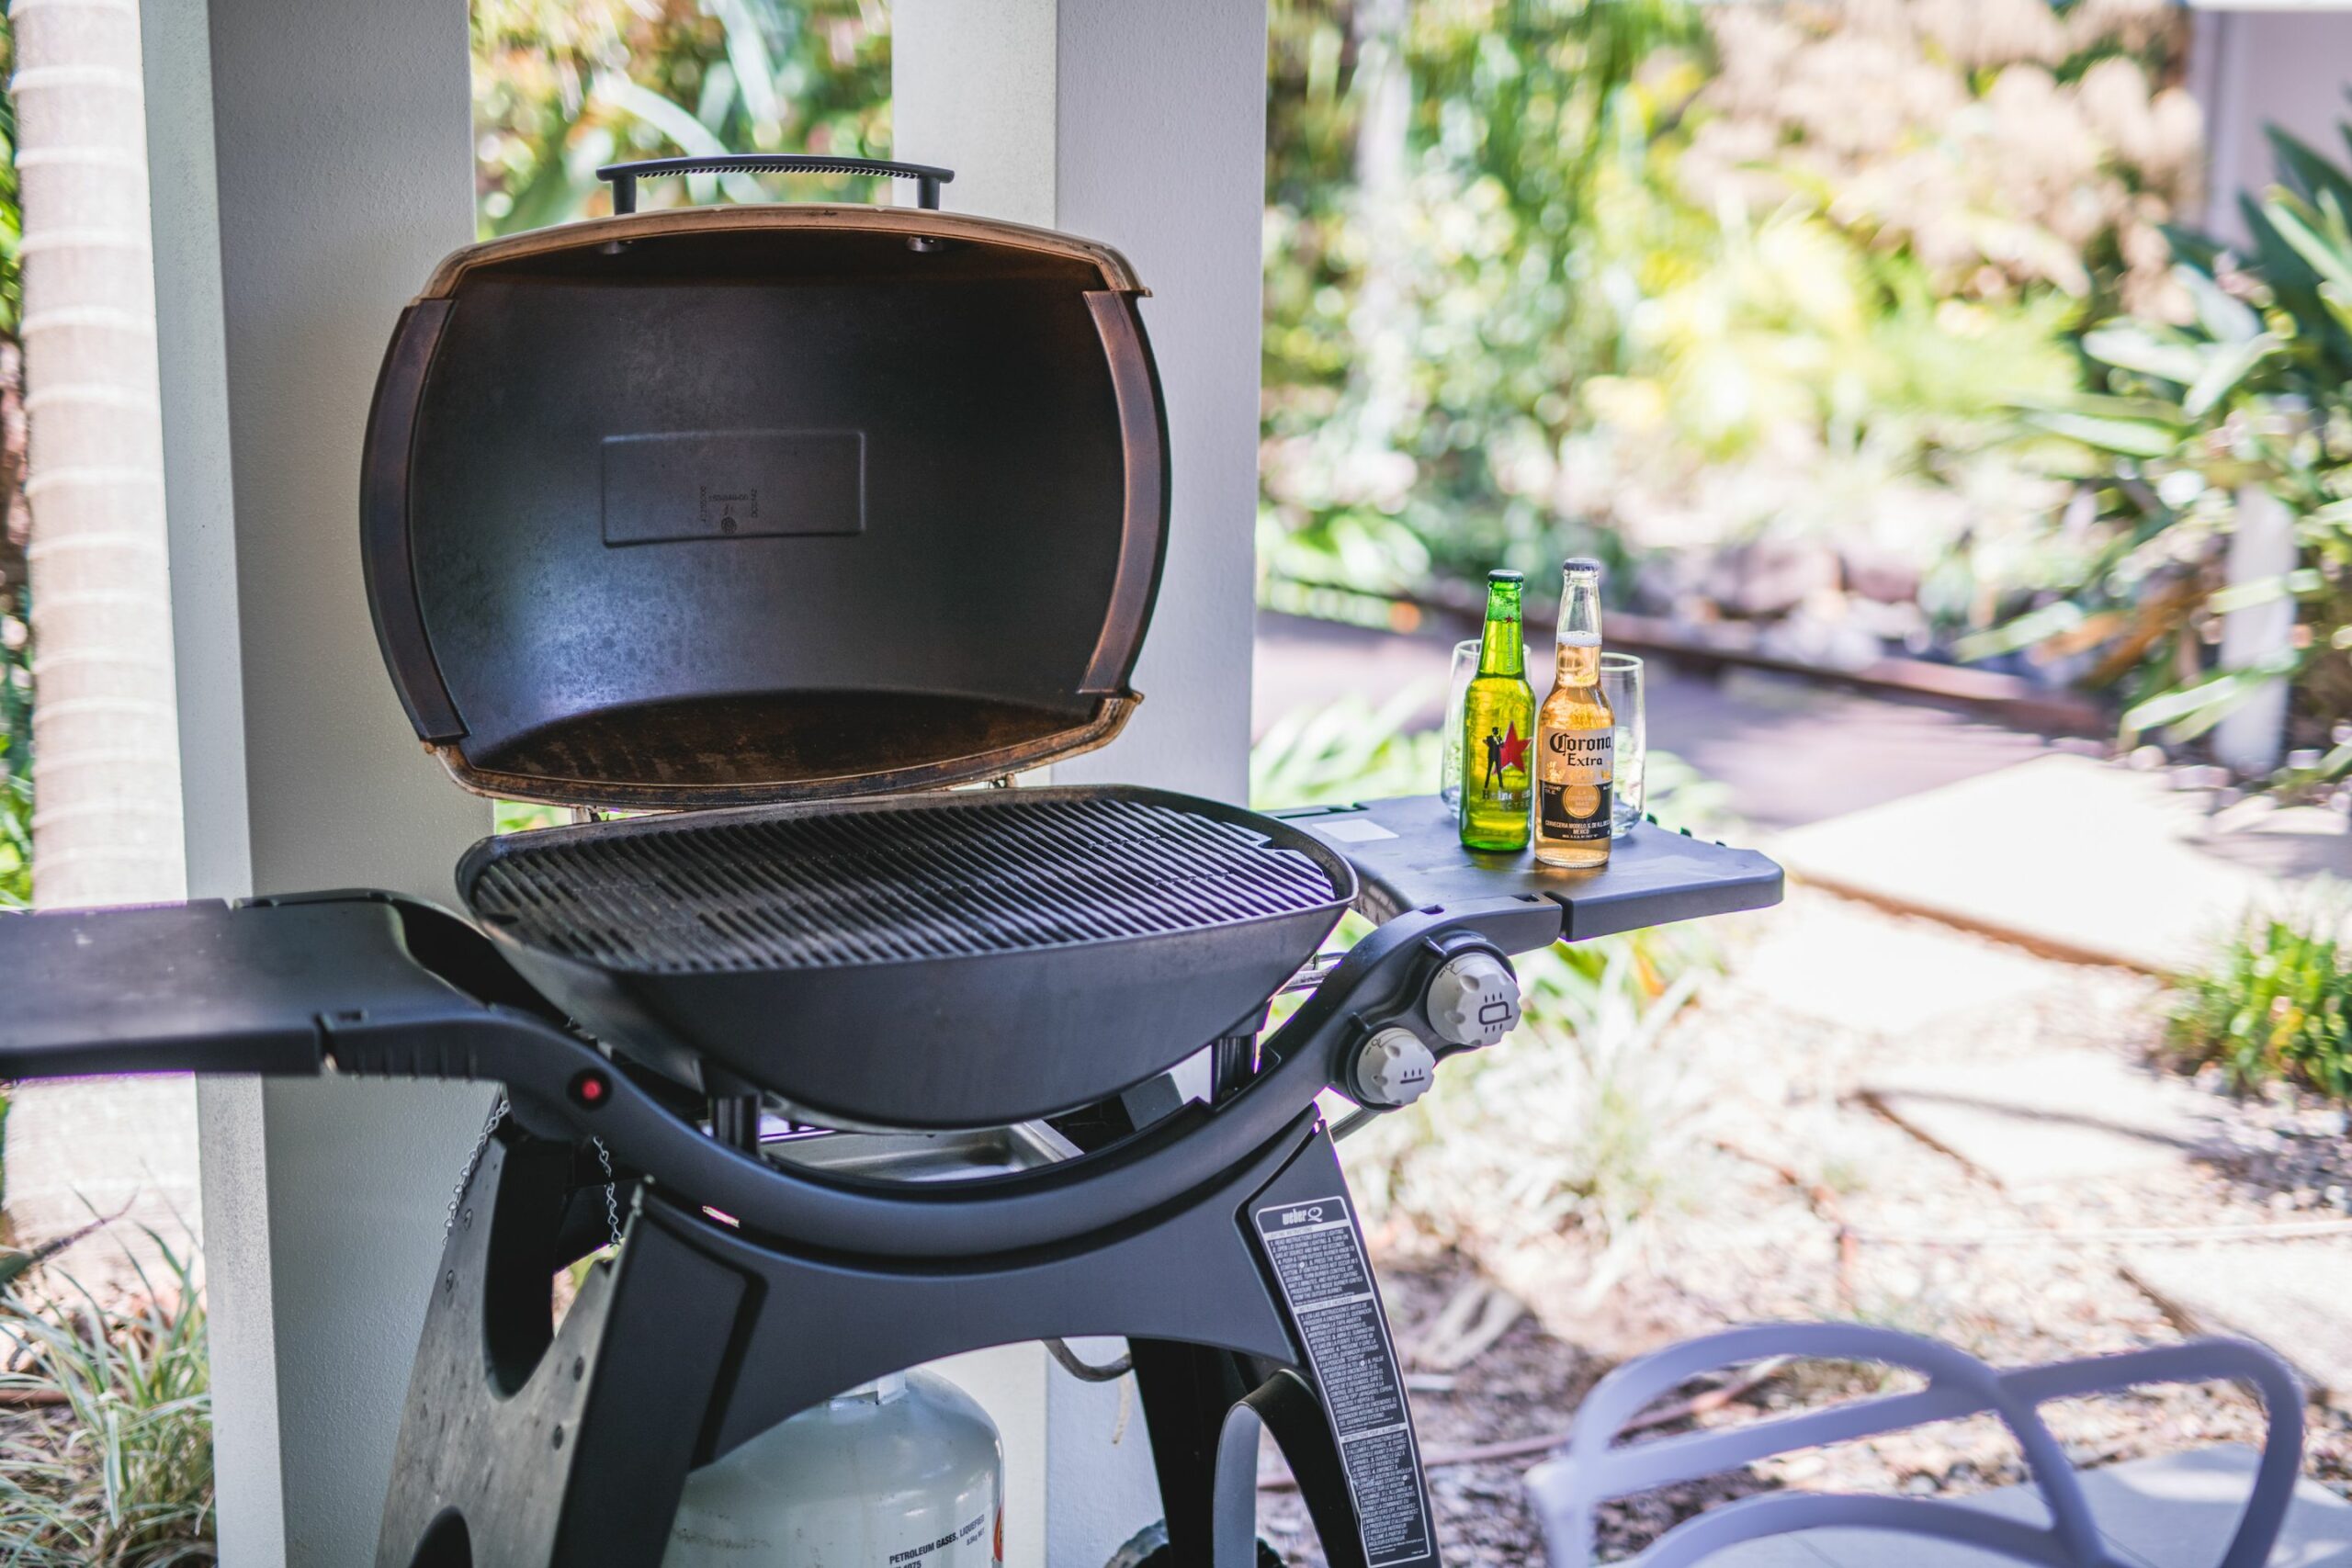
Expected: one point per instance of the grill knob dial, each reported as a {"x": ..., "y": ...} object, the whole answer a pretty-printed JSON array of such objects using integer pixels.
[
  {"x": 1392, "y": 1069},
  {"x": 1474, "y": 999}
]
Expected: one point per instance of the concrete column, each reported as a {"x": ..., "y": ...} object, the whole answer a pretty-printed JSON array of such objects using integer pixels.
[
  {"x": 2251, "y": 739},
  {"x": 312, "y": 159},
  {"x": 1142, "y": 124},
  {"x": 2252, "y": 66}
]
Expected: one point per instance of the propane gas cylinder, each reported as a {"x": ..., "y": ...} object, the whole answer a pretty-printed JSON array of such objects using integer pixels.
[{"x": 905, "y": 1473}]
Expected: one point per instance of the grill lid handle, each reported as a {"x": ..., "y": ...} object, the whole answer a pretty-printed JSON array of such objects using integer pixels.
[{"x": 624, "y": 176}]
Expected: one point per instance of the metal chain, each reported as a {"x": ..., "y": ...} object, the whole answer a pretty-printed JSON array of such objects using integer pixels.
[
  {"x": 497, "y": 1114},
  {"x": 612, "y": 1201}
]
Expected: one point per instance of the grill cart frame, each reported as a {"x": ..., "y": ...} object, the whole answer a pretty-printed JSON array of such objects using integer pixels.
[{"x": 747, "y": 1289}]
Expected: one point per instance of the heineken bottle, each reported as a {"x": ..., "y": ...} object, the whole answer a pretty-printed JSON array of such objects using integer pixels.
[{"x": 1498, "y": 728}]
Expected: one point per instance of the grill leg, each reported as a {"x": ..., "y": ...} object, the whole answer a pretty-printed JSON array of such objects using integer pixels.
[
  {"x": 529, "y": 1451},
  {"x": 1290, "y": 1412},
  {"x": 1205, "y": 1417},
  {"x": 1187, "y": 1391}
]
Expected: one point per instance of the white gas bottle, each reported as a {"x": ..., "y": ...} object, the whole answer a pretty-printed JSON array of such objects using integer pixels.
[{"x": 906, "y": 1473}]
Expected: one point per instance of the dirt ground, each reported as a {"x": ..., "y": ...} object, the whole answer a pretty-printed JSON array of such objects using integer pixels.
[{"x": 1794, "y": 1197}]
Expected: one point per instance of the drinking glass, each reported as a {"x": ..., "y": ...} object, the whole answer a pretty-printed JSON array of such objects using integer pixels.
[
  {"x": 1621, "y": 683},
  {"x": 1457, "y": 689}
]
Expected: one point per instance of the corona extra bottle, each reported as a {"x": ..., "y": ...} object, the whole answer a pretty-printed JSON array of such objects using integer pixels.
[
  {"x": 1498, "y": 728},
  {"x": 1577, "y": 736}
]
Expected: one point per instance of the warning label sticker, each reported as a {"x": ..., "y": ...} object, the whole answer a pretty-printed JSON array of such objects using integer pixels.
[{"x": 1319, "y": 1264}]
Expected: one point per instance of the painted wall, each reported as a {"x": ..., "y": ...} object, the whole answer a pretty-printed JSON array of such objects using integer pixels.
[
  {"x": 2251, "y": 68},
  {"x": 1144, "y": 125},
  {"x": 312, "y": 160}
]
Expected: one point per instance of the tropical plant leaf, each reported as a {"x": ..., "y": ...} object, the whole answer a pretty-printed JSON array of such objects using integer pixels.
[
  {"x": 2130, "y": 437},
  {"x": 2035, "y": 625},
  {"x": 2224, "y": 316},
  {"x": 2306, "y": 170},
  {"x": 2265, "y": 589},
  {"x": 2197, "y": 252},
  {"x": 2133, "y": 345},
  {"x": 750, "y": 64},
  {"x": 2315, "y": 234},
  {"x": 681, "y": 127},
  {"x": 2230, "y": 365},
  {"x": 2190, "y": 710}
]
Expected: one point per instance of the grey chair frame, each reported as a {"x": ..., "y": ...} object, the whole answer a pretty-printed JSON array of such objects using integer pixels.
[{"x": 1566, "y": 1489}]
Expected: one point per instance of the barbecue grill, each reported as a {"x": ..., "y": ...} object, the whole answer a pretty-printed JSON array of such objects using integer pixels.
[{"x": 782, "y": 522}]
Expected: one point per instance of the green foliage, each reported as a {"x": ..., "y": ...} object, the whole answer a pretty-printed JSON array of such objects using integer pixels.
[
  {"x": 1581, "y": 1104},
  {"x": 15, "y": 604},
  {"x": 111, "y": 1465},
  {"x": 2275, "y": 1001},
  {"x": 1346, "y": 751},
  {"x": 1582, "y": 1122},
  {"x": 1634, "y": 275},
  {"x": 15, "y": 839},
  {"x": 561, "y": 86},
  {"x": 2253, "y": 393},
  {"x": 12, "y": 219},
  {"x": 518, "y": 817},
  {"x": 1420, "y": 345}
]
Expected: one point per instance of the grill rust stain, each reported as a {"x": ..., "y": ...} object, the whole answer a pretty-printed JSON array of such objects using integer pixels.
[{"x": 993, "y": 873}]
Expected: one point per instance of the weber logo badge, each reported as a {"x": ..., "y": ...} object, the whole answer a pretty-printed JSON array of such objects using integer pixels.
[
  {"x": 732, "y": 485},
  {"x": 720, "y": 508}
]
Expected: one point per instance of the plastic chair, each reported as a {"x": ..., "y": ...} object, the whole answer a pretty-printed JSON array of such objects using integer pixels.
[{"x": 1566, "y": 1488}]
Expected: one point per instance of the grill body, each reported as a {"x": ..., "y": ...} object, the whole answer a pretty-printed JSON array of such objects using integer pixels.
[{"x": 947, "y": 960}]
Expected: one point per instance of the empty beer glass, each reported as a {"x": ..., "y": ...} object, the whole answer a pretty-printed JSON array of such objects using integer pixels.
[
  {"x": 1621, "y": 683},
  {"x": 1457, "y": 685}
]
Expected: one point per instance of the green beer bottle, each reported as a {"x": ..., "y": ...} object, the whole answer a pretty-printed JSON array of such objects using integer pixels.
[{"x": 1498, "y": 728}]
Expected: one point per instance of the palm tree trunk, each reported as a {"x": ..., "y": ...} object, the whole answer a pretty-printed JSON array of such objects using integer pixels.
[
  {"x": 1383, "y": 316},
  {"x": 106, "y": 727},
  {"x": 105, "y": 735}
]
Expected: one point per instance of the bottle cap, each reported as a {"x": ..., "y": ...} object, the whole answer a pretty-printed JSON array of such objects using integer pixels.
[
  {"x": 1504, "y": 574},
  {"x": 1582, "y": 566}
]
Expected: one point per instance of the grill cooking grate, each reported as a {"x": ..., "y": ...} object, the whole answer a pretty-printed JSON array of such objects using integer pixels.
[{"x": 965, "y": 876}]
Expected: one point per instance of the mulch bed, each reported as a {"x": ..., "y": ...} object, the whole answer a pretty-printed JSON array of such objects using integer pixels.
[{"x": 1760, "y": 1245}]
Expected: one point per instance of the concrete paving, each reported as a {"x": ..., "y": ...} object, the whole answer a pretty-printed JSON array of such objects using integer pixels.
[
  {"x": 1790, "y": 752},
  {"x": 1850, "y": 966},
  {"x": 2177, "y": 1511},
  {"x": 2080, "y": 858},
  {"x": 2074, "y": 1116},
  {"x": 2294, "y": 1296}
]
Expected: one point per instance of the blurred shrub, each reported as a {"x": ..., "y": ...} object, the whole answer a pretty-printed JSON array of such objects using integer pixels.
[
  {"x": 106, "y": 1454},
  {"x": 1641, "y": 277},
  {"x": 1345, "y": 751},
  {"x": 15, "y": 604},
  {"x": 561, "y": 86},
  {"x": 1577, "y": 1119},
  {"x": 2252, "y": 394},
  {"x": 2275, "y": 1001},
  {"x": 15, "y": 839}
]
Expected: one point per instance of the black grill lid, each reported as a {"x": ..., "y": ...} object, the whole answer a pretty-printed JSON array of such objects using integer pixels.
[{"x": 760, "y": 503}]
